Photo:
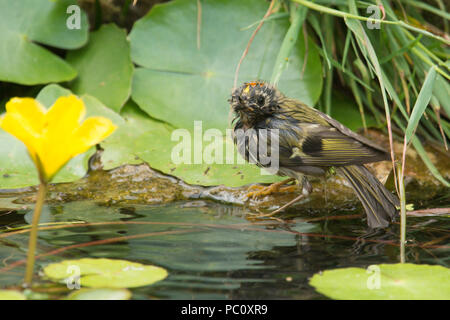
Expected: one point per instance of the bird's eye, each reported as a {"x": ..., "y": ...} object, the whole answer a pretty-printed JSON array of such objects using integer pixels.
[{"x": 260, "y": 101}]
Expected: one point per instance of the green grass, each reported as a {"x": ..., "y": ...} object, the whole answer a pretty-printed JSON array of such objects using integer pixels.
[{"x": 399, "y": 73}]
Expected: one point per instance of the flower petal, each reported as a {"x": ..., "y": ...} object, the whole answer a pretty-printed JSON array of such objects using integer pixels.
[
  {"x": 65, "y": 115},
  {"x": 31, "y": 111},
  {"x": 61, "y": 122},
  {"x": 24, "y": 119},
  {"x": 92, "y": 131}
]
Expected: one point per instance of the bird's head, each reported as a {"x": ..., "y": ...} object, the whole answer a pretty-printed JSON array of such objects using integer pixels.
[{"x": 255, "y": 101}]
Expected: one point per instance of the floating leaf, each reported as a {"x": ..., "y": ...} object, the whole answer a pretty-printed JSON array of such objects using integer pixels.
[
  {"x": 23, "y": 24},
  {"x": 100, "y": 294},
  {"x": 104, "y": 67},
  {"x": 11, "y": 295},
  {"x": 106, "y": 273},
  {"x": 385, "y": 281}
]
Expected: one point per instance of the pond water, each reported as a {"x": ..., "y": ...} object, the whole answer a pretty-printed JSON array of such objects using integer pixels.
[{"x": 217, "y": 251}]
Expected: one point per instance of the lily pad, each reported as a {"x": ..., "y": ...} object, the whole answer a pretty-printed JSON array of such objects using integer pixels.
[
  {"x": 104, "y": 67},
  {"x": 187, "y": 76},
  {"x": 106, "y": 273},
  {"x": 100, "y": 294},
  {"x": 11, "y": 295},
  {"x": 16, "y": 168},
  {"x": 385, "y": 281},
  {"x": 24, "y": 24}
]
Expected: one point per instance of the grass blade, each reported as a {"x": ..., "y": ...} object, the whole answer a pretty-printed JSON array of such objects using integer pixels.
[
  {"x": 421, "y": 103},
  {"x": 298, "y": 17}
]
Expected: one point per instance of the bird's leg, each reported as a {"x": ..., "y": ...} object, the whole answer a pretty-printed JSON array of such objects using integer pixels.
[
  {"x": 273, "y": 188},
  {"x": 306, "y": 190},
  {"x": 290, "y": 203}
]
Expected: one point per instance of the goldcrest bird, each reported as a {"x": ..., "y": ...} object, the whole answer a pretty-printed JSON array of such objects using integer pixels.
[{"x": 310, "y": 143}]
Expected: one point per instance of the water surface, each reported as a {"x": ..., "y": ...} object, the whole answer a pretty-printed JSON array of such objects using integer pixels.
[{"x": 216, "y": 251}]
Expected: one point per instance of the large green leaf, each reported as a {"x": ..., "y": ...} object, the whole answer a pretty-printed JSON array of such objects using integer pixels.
[
  {"x": 182, "y": 79},
  {"x": 99, "y": 294},
  {"x": 104, "y": 67},
  {"x": 11, "y": 295},
  {"x": 16, "y": 168},
  {"x": 23, "y": 23},
  {"x": 385, "y": 281},
  {"x": 106, "y": 273}
]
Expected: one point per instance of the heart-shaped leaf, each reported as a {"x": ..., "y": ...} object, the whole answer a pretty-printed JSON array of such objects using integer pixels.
[
  {"x": 104, "y": 67},
  {"x": 23, "y": 24},
  {"x": 188, "y": 64}
]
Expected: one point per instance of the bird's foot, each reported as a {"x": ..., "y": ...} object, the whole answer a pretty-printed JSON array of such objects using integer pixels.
[
  {"x": 306, "y": 190},
  {"x": 273, "y": 188}
]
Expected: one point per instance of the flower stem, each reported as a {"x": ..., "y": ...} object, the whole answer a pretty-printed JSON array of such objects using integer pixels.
[
  {"x": 402, "y": 210},
  {"x": 33, "y": 233}
]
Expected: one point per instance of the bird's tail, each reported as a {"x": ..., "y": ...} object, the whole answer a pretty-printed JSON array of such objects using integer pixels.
[{"x": 380, "y": 204}]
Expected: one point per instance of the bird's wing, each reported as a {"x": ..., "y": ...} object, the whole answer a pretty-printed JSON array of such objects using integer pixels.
[
  {"x": 318, "y": 145},
  {"x": 346, "y": 131},
  {"x": 304, "y": 113}
]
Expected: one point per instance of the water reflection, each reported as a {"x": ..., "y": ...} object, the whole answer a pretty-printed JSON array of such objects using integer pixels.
[{"x": 214, "y": 251}]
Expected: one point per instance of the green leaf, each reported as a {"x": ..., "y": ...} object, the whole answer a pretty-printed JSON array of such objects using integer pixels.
[
  {"x": 314, "y": 23},
  {"x": 442, "y": 92},
  {"x": 423, "y": 154},
  {"x": 385, "y": 281},
  {"x": 100, "y": 294},
  {"x": 104, "y": 67},
  {"x": 290, "y": 39},
  {"x": 179, "y": 82},
  {"x": 106, "y": 273},
  {"x": 421, "y": 103},
  {"x": 11, "y": 295},
  {"x": 16, "y": 168},
  {"x": 23, "y": 24}
]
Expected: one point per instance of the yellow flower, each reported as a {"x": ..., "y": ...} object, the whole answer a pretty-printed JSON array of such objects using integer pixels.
[{"x": 54, "y": 136}]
